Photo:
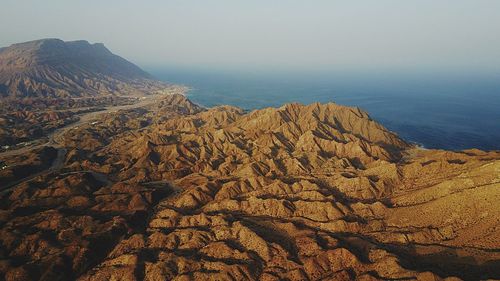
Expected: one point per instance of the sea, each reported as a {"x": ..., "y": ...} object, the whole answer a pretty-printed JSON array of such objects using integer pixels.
[{"x": 439, "y": 111}]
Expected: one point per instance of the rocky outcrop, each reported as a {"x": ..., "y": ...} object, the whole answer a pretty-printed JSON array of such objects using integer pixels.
[{"x": 174, "y": 191}]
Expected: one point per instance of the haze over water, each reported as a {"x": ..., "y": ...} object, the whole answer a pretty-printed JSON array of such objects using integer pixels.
[
  {"x": 448, "y": 111},
  {"x": 427, "y": 69}
]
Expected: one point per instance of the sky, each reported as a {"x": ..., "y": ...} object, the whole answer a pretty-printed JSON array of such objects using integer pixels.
[{"x": 461, "y": 35}]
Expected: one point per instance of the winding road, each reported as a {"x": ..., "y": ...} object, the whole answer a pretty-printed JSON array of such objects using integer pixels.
[{"x": 55, "y": 137}]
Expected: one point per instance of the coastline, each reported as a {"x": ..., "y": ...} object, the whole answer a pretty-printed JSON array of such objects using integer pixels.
[{"x": 427, "y": 118}]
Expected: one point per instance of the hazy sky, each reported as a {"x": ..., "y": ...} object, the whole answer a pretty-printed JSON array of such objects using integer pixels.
[{"x": 329, "y": 34}]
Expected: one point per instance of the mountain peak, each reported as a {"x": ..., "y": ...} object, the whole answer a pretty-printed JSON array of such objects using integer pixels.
[
  {"x": 49, "y": 51},
  {"x": 47, "y": 67},
  {"x": 51, "y": 42}
]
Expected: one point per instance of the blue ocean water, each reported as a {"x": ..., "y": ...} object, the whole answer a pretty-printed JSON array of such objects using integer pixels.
[{"x": 452, "y": 112}]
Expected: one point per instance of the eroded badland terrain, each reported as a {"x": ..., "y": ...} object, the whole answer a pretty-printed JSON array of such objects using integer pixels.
[{"x": 168, "y": 190}]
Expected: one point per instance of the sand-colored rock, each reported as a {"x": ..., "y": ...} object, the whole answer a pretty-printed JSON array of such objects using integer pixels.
[{"x": 300, "y": 192}]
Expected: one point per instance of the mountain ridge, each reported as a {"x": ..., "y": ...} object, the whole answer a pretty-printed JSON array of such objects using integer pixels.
[
  {"x": 55, "y": 68},
  {"x": 300, "y": 192}
]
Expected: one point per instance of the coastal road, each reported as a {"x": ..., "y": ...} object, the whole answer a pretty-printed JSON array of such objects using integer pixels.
[
  {"x": 56, "y": 165},
  {"x": 54, "y": 139}
]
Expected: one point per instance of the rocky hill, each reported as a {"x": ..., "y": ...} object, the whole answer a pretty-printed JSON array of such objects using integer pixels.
[
  {"x": 54, "y": 68},
  {"x": 173, "y": 191}
]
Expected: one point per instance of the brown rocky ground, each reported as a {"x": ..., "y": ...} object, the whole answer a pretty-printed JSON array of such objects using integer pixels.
[
  {"x": 35, "y": 119},
  {"x": 24, "y": 126},
  {"x": 46, "y": 84},
  {"x": 318, "y": 192},
  {"x": 17, "y": 167}
]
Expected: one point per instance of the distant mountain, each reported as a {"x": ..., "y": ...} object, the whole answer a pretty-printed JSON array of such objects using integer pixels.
[{"x": 54, "y": 68}]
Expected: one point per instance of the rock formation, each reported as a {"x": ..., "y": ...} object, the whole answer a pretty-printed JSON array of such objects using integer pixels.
[{"x": 173, "y": 191}]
